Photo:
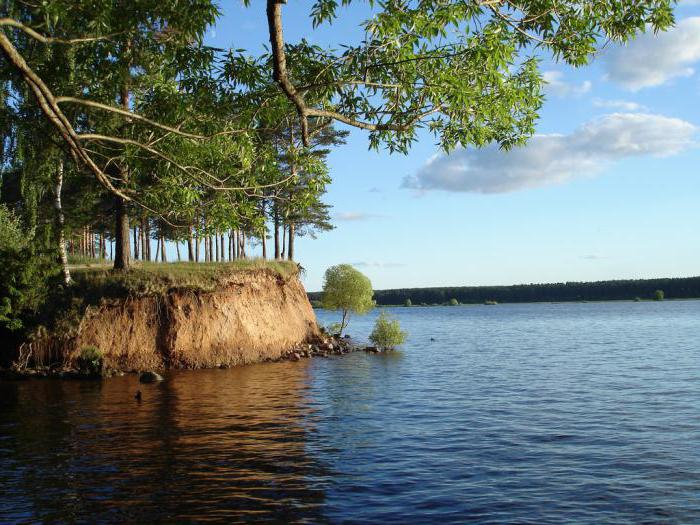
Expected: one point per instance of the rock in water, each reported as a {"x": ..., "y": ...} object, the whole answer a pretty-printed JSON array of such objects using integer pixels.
[{"x": 150, "y": 377}]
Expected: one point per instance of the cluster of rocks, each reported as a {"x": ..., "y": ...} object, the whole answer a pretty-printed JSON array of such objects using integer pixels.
[{"x": 324, "y": 346}]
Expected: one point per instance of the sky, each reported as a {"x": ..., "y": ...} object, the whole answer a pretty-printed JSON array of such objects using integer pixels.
[{"x": 607, "y": 188}]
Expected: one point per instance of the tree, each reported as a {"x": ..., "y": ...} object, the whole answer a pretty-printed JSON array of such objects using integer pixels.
[
  {"x": 387, "y": 333},
  {"x": 25, "y": 273},
  {"x": 454, "y": 302},
  {"x": 408, "y": 302},
  {"x": 348, "y": 290},
  {"x": 659, "y": 295},
  {"x": 464, "y": 70}
]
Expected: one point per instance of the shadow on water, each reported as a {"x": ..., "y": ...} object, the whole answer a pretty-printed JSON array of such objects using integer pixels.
[{"x": 221, "y": 444}]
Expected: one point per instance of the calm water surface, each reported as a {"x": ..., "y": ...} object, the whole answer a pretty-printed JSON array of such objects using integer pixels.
[{"x": 547, "y": 413}]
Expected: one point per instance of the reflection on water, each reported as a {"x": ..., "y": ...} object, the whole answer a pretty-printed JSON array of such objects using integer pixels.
[
  {"x": 202, "y": 445},
  {"x": 584, "y": 413}
]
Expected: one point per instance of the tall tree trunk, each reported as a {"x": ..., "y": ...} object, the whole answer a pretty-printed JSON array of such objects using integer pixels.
[
  {"x": 190, "y": 247},
  {"x": 263, "y": 236},
  {"x": 60, "y": 225},
  {"x": 157, "y": 250},
  {"x": 290, "y": 250},
  {"x": 177, "y": 248},
  {"x": 216, "y": 245},
  {"x": 284, "y": 240},
  {"x": 196, "y": 246},
  {"x": 121, "y": 256},
  {"x": 136, "y": 243},
  {"x": 277, "y": 232},
  {"x": 221, "y": 243},
  {"x": 121, "y": 238},
  {"x": 163, "y": 256}
]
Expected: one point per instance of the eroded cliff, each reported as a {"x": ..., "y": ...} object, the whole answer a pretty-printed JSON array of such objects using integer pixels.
[{"x": 250, "y": 317}]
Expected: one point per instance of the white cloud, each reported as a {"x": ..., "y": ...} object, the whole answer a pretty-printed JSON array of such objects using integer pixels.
[
  {"x": 375, "y": 264},
  {"x": 652, "y": 60},
  {"x": 553, "y": 159},
  {"x": 356, "y": 216},
  {"x": 593, "y": 257},
  {"x": 621, "y": 105},
  {"x": 560, "y": 88}
]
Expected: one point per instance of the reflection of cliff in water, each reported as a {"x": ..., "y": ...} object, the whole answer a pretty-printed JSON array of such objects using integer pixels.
[{"x": 216, "y": 444}]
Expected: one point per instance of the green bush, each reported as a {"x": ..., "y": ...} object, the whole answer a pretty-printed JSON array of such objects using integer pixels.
[
  {"x": 454, "y": 302},
  {"x": 408, "y": 303},
  {"x": 387, "y": 333},
  {"x": 26, "y": 275},
  {"x": 659, "y": 295},
  {"x": 90, "y": 361}
]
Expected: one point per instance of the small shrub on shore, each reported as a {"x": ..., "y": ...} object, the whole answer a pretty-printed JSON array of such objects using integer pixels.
[
  {"x": 659, "y": 295},
  {"x": 90, "y": 361},
  {"x": 387, "y": 333},
  {"x": 408, "y": 303},
  {"x": 454, "y": 302}
]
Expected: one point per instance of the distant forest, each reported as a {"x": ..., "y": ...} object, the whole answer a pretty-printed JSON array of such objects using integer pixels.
[{"x": 682, "y": 288}]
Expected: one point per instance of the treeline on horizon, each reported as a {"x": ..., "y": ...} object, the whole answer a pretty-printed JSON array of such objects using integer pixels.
[{"x": 620, "y": 290}]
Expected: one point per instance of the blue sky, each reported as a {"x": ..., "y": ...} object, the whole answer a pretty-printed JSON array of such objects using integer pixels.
[{"x": 608, "y": 189}]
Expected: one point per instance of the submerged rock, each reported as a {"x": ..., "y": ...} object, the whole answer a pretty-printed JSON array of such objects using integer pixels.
[{"x": 150, "y": 377}]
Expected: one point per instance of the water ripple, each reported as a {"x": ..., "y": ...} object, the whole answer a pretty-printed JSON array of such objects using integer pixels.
[{"x": 566, "y": 413}]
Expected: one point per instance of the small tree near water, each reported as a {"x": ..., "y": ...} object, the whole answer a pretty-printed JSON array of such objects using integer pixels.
[
  {"x": 387, "y": 333},
  {"x": 659, "y": 295},
  {"x": 348, "y": 290}
]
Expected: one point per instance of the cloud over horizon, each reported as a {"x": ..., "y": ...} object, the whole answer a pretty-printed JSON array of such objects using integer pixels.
[
  {"x": 652, "y": 60},
  {"x": 554, "y": 159},
  {"x": 356, "y": 216},
  {"x": 377, "y": 264}
]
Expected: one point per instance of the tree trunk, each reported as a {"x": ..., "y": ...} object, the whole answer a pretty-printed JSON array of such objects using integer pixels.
[
  {"x": 264, "y": 242},
  {"x": 284, "y": 240},
  {"x": 121, "y": 237},
  {"x": 216, "y": 246},
  {"x": 221, "y": 244},
  {"x": 190, "y": 246},
  {"x": 163, "y": 256},
  {"x": 142, "y": 240},
  {"x": 121, "y": 256},
  {"x": 157, "y": 250},
  {"x": 277, "y": 233},
  {"x": 196, "y": 246},
  {"x": 290, "y": 250},
  {"x": 60, "y": 224},
  {"x": 177, "y": 249},
  {"x": 136, "y": 243}
]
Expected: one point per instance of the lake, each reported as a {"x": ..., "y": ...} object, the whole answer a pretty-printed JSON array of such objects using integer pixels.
[{"x": 533, "y": 413}]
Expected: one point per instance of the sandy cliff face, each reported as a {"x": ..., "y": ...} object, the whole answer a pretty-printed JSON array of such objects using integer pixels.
[{"x": 253, "y": 317}]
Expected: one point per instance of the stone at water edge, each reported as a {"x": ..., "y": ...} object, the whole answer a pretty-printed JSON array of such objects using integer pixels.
[{"x": 150, "y": 377}]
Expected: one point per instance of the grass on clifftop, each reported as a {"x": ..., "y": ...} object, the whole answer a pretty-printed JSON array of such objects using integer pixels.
[
  {"x": 149, "y": 278},
  {"x": 97, "y": 283}
]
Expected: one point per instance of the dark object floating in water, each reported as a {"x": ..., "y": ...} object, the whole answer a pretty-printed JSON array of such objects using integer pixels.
[
  {"x": 432, "y": 339},
  {"x": 150, "y": 377}
]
